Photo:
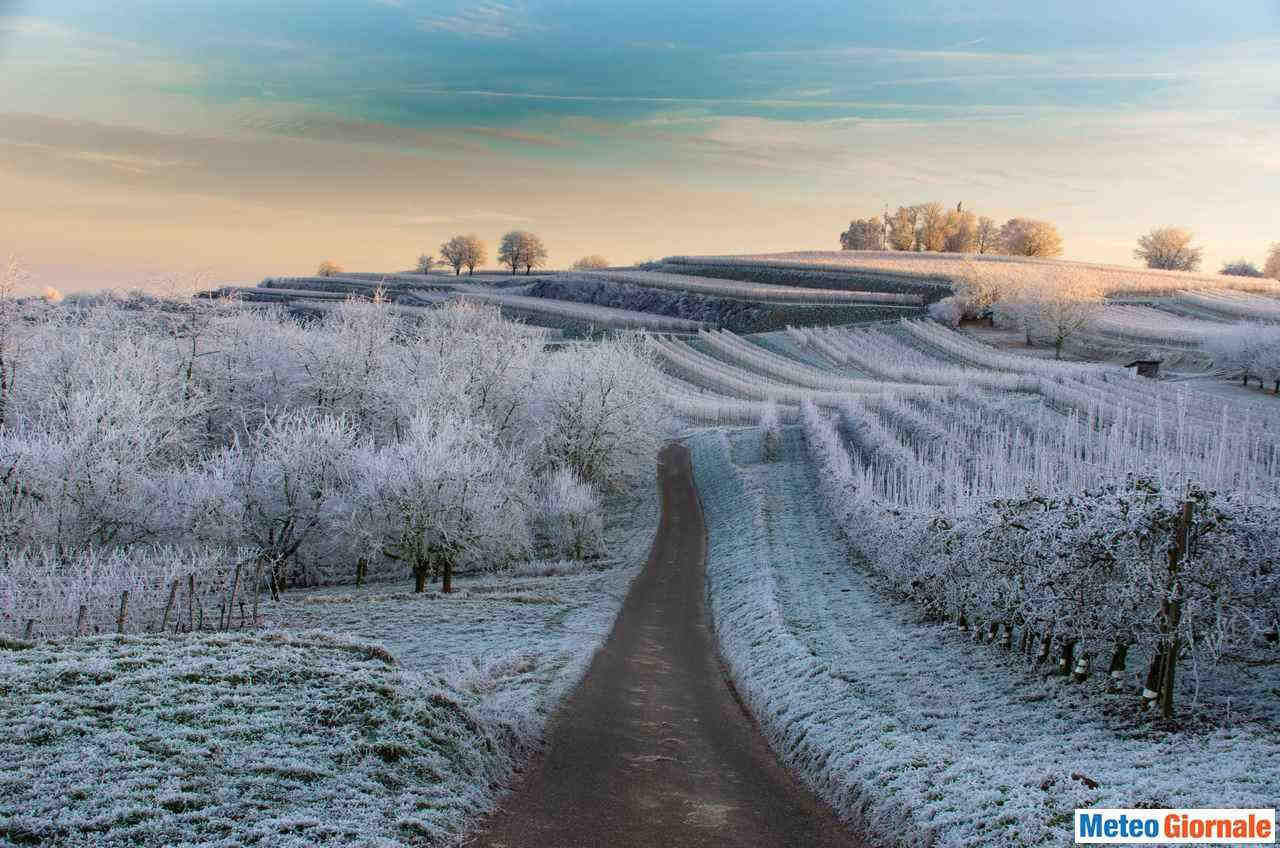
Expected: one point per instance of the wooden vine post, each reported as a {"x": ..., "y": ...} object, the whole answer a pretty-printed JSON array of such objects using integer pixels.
[
  {"x": 231, "y": 598},
  {"x": 124, "y": 611},
  {"x": 1172, "y": 606},
  {"x": 168, "y": 607}
]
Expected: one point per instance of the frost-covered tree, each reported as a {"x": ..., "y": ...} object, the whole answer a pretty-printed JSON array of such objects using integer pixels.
[
  {"x": 287, "y": 491},
  {"x": 1029, "y": 237},
  {"x": 986, "y": 236},
  {"x": 597, "y": 410},
  {"x": 1272, "y": 266},
  {"x": 12, "y": 277},
  {"x": 863, "y": 234},
  {"x": 446, "y": 494},
  {"x": 328, "y": 269},
  {"x": 902, "y": 228},
  {"x": 1061, "y": 303},
  {"x": 464, "y": 252},
  {"x": 522, "y": 249},
  {"x": 594, "y": 262},
  {"x": 1252, "y": 349},
  {"x": 1168, "y": 248},
  {"x": 425, "y": 263},
  {"x": 961, "y": 232},
  {"x": 932, "y": 227},
  {"x": 454, "y": 252}
]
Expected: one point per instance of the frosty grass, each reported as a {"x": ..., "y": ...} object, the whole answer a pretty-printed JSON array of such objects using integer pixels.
[
  {"x": 916, "y": 735},
  {"x": 362, "y": 717}
]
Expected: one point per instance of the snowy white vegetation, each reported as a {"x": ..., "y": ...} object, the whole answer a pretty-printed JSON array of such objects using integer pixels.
[
  {"x": 245, "y": 450},
  {"x": 1110, "y": 279},
  {"x": 753, "y": 291},
  {"x": 916, "y": 733}
]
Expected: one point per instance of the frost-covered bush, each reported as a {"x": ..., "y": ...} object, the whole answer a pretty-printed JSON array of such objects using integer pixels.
[
  {"x": 947, "y": 311},
  {"x": 571, "y": 509},
  {"x": 408, "y": 441},
  {"x": 49, "y": 588},
  {"x": 771, "y": 424}
]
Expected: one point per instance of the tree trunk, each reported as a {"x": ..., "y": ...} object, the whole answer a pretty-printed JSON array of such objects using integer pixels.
[
  {"x": 419, "y": 578},
  {"x": 124, "y": 611},
  {"x": 1154, "y": 674},
  {"x": 448, "y": 576},
  {"x": 80, "y": 619},
  {"x": 191, "y": 602},
  {"x": 1057, "y": 349},
  {"x": 1067, "y": 660}
]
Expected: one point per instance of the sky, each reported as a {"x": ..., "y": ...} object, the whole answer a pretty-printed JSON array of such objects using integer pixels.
[{"x": 241, "y": 139}]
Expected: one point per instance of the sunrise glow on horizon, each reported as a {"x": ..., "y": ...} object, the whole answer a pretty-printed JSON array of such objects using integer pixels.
[{"x": 249, "y": 141}]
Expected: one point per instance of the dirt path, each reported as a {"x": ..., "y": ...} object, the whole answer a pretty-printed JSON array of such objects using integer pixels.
[{"x": 652, "y": 749}]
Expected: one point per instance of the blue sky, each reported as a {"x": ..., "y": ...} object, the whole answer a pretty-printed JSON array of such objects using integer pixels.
[{"x": 138, "y": 136}]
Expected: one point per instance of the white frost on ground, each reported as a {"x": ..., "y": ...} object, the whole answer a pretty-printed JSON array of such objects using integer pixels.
[
  {"x": 356, "y": 717},
  {"x": 914, "y": 734}
]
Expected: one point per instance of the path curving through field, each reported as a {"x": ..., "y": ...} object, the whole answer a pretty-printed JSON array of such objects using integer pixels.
[{"x": 652, "y": 748}]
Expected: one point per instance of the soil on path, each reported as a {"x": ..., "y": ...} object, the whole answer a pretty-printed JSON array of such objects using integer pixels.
[{"x": 652, "y": 748}]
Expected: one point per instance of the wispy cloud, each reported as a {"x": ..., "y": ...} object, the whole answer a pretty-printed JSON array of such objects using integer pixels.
[
  {"x": 487, "y": 19},
  {"x": 467, "y": 218}
]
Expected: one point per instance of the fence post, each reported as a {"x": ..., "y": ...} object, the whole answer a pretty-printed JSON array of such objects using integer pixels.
[
  {"x": 124, "y": 611},
  {"x": 84, "y": 612},
  {"x": 173, "y": 593},
  {"x": 231, "y": 603},
  {"x": 257, "y": 589}
]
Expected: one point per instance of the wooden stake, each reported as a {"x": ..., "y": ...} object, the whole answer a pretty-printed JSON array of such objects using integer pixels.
[
  {"x": 231, "y": 604},
  {"x": 124, "y": 611},
  {"x": 257, "y": 589},
  {"x": 173, "y": 593}
]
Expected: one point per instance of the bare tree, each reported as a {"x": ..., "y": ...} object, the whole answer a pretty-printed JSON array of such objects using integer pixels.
[
  {"x": 521, "y": 249},
  {"x": 932, "y": 227},
  {"x": 594, "y": 262},
  {"x": 1168, "y": 248},
  {"x": 1029, "y": 237},
  {"x": 1272, "y": 267},
  {"x": 987, "y": 236},
  {"x": 328, "y": 269},
  {"x": 863, "y": 234},
  {"x": 425, "y": 261}
]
